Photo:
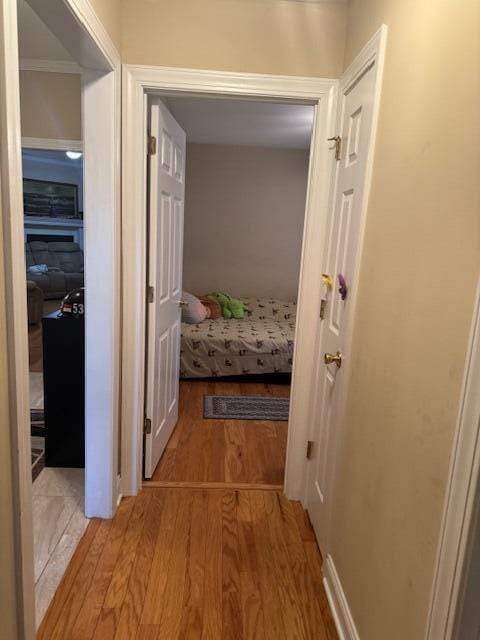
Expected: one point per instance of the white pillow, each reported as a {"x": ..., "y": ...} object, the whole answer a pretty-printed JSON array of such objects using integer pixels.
[{"x": 194, "y": 312}]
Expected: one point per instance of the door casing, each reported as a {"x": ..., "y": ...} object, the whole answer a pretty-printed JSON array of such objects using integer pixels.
[
  {"x": 80, "y": 30},
  {"x": 138, "y": 82}
]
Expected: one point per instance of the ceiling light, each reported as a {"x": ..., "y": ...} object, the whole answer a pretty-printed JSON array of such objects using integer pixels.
[{"x": 73, "y": 155}]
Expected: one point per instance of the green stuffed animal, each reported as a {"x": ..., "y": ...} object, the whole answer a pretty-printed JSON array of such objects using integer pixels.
[{"x": 231, "y": 307}]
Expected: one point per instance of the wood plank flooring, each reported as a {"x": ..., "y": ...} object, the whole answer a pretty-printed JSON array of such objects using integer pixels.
[
  {"x": 182, "y": 563},
  {"x": 224, "y": 451}
]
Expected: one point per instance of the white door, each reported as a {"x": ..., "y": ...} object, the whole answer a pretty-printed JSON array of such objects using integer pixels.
[
  {"x": 354, "y": 125},
  {"x": 165, "y": 242}
]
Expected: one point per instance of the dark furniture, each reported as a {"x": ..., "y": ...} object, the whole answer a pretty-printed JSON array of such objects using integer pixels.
[{"x": 64, "y": 389}]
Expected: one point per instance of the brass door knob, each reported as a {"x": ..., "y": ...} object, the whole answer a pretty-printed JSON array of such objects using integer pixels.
[
  {"x": 330, "y": 358},
  {"x": 183, "y": 303}
]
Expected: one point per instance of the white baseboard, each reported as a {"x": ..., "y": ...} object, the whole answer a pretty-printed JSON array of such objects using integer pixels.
[{"x": 338, "y": 603}]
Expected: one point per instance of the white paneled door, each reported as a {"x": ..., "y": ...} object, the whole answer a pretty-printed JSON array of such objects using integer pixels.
[
  {"x": 354, "y": 125},
  {"x": 165, "y": 242}
]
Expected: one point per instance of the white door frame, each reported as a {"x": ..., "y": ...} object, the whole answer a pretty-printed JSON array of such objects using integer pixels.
[
  {"x": 52, "y": 144},
  {"x": 80, "y": 30},
  {"x": 137, "y": 82},
  {"x": 463, "y": 487}
]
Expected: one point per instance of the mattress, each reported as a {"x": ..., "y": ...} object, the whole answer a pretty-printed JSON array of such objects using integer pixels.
[{"x": 262, "y": 342}]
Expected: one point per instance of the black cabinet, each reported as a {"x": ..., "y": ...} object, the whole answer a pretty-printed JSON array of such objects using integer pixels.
[{"x": 64, "y": 390}]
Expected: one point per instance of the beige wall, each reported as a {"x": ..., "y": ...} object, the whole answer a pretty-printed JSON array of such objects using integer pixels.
[
  {"x": 50, "y": 105},
  {"x": 263, "y": 36},
  {"x": 109, "y": 12},
  {"x": 244, "y": 211},
  {"x": 418, "y": 277}
]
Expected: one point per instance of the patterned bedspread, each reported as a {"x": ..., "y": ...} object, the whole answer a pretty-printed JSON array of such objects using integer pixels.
[{"x": 260, "y": 343}]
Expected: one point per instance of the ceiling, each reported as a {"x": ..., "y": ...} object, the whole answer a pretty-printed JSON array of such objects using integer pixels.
[
  {"x": 242, "y": 122},
  {"x": 51, "y": 156},
  {"x": 35, "y": 40}
]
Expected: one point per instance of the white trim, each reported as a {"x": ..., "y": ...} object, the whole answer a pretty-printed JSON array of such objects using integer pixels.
[
  {"x": 137, "y": 81},
  {"x": 173, "y": 79},
  {"x": 52, "y": 144},
  {"x": 70, "y": 19},
  {"x": 309, "y": 295},
  {"x": 89, "y": 46},
  {"x": 50, "y": 66},
  {"x": 38, "y": 225},
  {"x": 338, "y": 602},
  {"x": 461, "y": 496},
  {"x": 79, "y": 29},
  {"x": 16, "y": 310},
  {"x": 101, "y": 102},
  {"x": 85, "y": 14}
]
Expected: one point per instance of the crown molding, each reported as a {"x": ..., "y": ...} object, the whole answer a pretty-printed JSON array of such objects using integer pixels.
[
  {"x": 52, "y": 143},
  {"x": 51, "y": 66}
]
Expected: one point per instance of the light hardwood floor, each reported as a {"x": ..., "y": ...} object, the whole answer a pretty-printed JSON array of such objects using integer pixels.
[
  {"x": 224, "y": 451},
  {"x": 207, "y": 563},
  {"x": 181, "y": 563}
]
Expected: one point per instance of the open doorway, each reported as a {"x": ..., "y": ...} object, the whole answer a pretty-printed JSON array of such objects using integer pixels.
[
  {"x": 96, "y": 64},
  {"x": 234, "y": 188},
  {"x": 52, "y": 186},
  {"x": 55, "y": 271}
]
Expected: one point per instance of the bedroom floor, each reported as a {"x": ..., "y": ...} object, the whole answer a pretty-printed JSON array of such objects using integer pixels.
[{"x": 237, "y": 452}]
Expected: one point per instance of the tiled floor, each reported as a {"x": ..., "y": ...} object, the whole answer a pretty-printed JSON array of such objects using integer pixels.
[
  {"x": 58, "y": 525},
  {"x": 36, "y": 390}
]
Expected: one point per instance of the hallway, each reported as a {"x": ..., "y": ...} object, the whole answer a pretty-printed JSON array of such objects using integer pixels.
[{"x": 181, "y": 563}]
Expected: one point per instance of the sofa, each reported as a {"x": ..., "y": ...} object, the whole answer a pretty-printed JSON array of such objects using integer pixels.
[
  {"x": 64, "y": 262},
  {"x": 34, "y": 302}
]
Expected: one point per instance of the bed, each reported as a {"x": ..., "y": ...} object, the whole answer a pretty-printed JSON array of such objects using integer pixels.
[{"x": 260, "y": 343}]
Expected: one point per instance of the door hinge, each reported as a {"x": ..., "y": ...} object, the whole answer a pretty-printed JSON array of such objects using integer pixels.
[
  {"x": 338, "y": 146},
  {"x": 152, "y": 145},
  {"x": 150, "y": 294},
  {"x": 309, "y": 449},
  {"x": 147, "y": 426},
  {"x": 323, "y": 307}
]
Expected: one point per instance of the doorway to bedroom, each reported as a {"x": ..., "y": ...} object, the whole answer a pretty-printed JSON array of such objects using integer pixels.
[{"x": 227, "y": 195}]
